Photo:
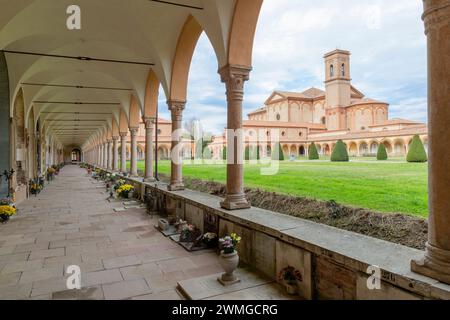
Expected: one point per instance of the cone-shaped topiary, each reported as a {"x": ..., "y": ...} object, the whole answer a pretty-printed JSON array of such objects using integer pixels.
[
  {"x": 277, "y": 153},
  {"x": 247, "y": 153},
  {"x": 340, "y": 153},
  {"x": 312, "y": 152},
  {"x": 224, "y": 153},
  {"x": 381, "y": 153},
  {"x": 416, "y": 151}
]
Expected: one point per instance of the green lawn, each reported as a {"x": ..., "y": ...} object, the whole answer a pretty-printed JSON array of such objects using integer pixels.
[{"x": 394, "y": 186}]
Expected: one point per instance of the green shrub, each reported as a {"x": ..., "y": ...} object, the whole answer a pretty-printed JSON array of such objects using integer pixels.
[
  {"x": 416, "y": 151},
  {"x": 340, "y": 153},
  {"x": 312, "y": 152},
  {"x": 207, "y": 154},
  {"x": 224, "y": 153},
  {"x": 277, "y": 153},
  {"x": 381, "y": 153},
  {"x": 247, "y": 153}
]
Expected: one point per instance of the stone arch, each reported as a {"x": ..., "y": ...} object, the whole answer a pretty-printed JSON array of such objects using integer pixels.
[
  {"x": 319, "y": 148},
  {"x": 399, "y": 147},
  {"x": 182, "y": 60},
  {"x": 353, "y": 149},
  {"x": 151, "y": 95},
  {"x": 286, "y": 150},
  {"x": 293, "y": 151},
  {"x": 140, "y": 152},
  {"x": 363, "y": 148},
  {"x": 388, "y": 146},
  {"x": 373, "y": 147},
  {"x": 135, "y": 114},
  {"x": 302, "y": 150},
  {"x": 326, "y": 149},
  {"x": 243, "y": 28}
]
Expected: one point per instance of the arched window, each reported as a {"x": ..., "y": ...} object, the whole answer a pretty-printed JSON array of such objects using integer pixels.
[
  {"x": 323, "y": 120},
  {"x": 278, "y": 117},
  {"x": 343, "y": 69},
  {"x": 331, "y": 71}
]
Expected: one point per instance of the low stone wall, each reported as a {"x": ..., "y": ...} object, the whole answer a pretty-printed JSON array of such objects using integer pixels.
[{"x": 333, "y": 262}]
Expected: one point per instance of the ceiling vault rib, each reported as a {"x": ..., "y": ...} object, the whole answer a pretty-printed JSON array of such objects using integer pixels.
[
  {"x": 74, "y": 86},
  {"x": 177, "y": 4},
  {"x": 79, "y": 103},
  {"x": 80, "y": 58}
]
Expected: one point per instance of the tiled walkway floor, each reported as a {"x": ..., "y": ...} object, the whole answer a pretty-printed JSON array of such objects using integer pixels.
[{"x": 121, "y": 254}]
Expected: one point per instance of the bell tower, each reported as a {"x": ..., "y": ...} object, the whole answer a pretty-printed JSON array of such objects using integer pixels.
[{"x": 337, "y": 78}]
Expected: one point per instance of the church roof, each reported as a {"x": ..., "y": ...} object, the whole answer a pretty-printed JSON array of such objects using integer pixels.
[
  {"x": 355, "y": 102},
  {"x": 396, "y": 121}
]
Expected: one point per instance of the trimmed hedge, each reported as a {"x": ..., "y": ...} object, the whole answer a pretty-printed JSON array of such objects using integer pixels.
[
  {"x": 340, "y": 153},
  {"x": 312, "y": 152},
  {"x": 416, "y": 151},
  {"x": 252, "y": 153},
  {"x": 381, "y": 153},
  {"x": 277, "y": 153},
  {"x": 224, "y": 153}
]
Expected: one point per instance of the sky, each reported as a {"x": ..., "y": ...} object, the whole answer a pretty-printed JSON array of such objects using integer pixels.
[{"x": 388, "y": 61}]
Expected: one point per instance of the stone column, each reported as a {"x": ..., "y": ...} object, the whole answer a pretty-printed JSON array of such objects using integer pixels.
[
  {"x": 115, "y": 157},
  {"x": 123, "y": 152},
  {"x": 436, "y": 262},
  {"x": 149, "y": 150},
  {"x": 105, "y": 155},
  {"x": 176, "y": 175},
  {"x": 133, "y": 160},
  {"x": 101, "y": 155},
  {"x": 234, "y": 78},
  {"x": 110, "y": 155}
]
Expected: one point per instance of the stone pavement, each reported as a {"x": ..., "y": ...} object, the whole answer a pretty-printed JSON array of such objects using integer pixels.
[{"x": 121, "y": 254}]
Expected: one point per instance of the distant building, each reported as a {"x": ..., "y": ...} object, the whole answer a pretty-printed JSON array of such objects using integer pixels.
[{"x": 323, "y": 117}]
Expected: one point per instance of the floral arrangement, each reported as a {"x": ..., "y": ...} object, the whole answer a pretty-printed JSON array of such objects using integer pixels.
[
  {"x": 210, "y": 239},
  {"x": 119, "y": 183},
  {"x": 35, "y": 188},
  {"x": 51, "y": 170},
  {"x": 6, "y": 212},
  {"x": 6, "y": 202},
  {"x": 290, "y": 275},
  {"x": 229, "y": 243},
  {"x": 189, "y": 233},
  {"x": 124, "y": 190}
]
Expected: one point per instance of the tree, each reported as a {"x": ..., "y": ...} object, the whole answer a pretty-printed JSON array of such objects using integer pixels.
[
  {"x": 416, "y": 151},
  {"x": 207, "y": 154},
  {"x": 224, "y": 153},
  {"x": 340, "y": 153},
  {"x": 382, "y": 154},
  {"x": 277, "y": 153},
  {"x": 247, "y": 153},
  {"x": 312, "y": 152}
]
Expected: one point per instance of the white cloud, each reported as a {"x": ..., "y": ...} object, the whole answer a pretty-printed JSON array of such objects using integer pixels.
[{"x": 385, "y": 37}]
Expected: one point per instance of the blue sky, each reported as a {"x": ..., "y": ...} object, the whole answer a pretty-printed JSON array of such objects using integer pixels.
[{"x": 388, "y": 59}]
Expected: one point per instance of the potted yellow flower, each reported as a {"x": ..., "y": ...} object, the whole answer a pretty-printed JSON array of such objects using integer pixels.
[
  {"x": 6, "y": 212},
  {"x": 125, "y": 191}
]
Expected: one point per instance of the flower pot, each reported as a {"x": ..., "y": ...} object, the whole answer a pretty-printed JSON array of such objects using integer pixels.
[
  {"x": 4, "y": 218},
  {"x": 229, "y": 262},
  {"x": 291, "y": 288},
  {"x": 130, "y": 195}
]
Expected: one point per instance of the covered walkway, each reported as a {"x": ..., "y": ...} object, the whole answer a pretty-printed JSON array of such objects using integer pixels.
[{"x": 121, "y": 254}]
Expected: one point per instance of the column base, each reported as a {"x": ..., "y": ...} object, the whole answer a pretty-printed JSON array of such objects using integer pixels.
[
  {"x": 435, "y": 264},
  {"x": 149, "y": 179},
  {"x": 179, "y": 186},
  {"x": 235, "y": 202}
]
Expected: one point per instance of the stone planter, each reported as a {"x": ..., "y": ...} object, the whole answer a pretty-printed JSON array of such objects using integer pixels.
[
  {"x": 163, "y": 224},
  {"x": 130, "y": 195},
  {"x": 229, "y": 262},
  {"x": 291, "y": 288}
]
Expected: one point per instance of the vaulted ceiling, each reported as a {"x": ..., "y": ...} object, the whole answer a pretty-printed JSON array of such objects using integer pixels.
[{"x": 75, "y": 97}]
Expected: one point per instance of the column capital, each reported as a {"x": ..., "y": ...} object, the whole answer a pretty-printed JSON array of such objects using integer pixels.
[
  {"x": 234, "y": 77},
  {"x": 115, "y": 138},
  {"x": 149, "y": 121},
  {"x": 133, "y": 131},
  {"x": 176, "y": 106},
  {"x": 436, "y": 14},
  {"x": 123, "y": 134}
]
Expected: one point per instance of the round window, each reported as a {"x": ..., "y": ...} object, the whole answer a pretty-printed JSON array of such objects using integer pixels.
[{"x": 278, "y": 117}]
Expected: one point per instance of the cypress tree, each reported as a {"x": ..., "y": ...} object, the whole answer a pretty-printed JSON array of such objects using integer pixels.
[
  {"x": 340, "y": 153},
  {"x": 416, "y": 151},
  {"x": 382, "y": 154},
  {"x": 312, "y": 152},
  {"x": 224, "y": 153}
]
